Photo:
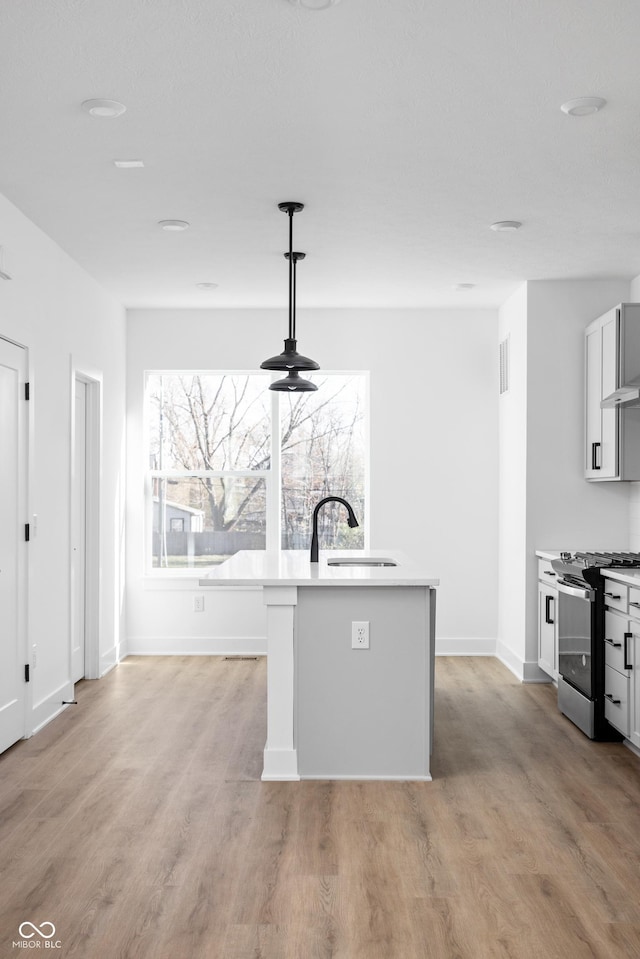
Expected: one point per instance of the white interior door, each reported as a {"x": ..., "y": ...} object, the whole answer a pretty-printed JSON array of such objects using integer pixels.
[
  {"x": 13, "y": 556},
  {"x": 79, "y": 535}
]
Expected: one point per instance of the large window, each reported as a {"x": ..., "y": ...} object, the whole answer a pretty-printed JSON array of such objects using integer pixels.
[{"x": 233, "y": 465}]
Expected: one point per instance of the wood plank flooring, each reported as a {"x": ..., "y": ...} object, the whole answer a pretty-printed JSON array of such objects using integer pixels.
[{"x": 136, "y": 822}]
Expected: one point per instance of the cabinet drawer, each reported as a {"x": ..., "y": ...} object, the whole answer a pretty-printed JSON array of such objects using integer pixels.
[
  {"x": 617, "y": 641},
  {"x": 616, "y": 594},
  {"x": 634, "y": 602},
  {"x": 616, "y": 701},
  {"x": 547, "y": 574}
]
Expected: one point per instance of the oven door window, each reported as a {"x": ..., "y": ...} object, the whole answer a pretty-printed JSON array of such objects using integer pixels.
[{"x": 574, "y": 641}]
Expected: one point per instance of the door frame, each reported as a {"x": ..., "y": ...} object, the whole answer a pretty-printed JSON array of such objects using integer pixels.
[
  {"x": 93, "y": 457},
  {"x": 24, "y": 568}
]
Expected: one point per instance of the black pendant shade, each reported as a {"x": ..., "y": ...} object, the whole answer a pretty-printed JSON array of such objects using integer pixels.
[
  {"x": 290, "y": 361},
  {"x": 293, "y": 383}
]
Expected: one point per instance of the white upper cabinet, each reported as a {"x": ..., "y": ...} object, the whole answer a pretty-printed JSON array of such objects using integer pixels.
[{"x": 612, "y": 444}]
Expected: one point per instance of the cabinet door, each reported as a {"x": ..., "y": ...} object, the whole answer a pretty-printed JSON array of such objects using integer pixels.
[
  {"x": 593, "y": 448},
  {"x": 547, "y": 647},
  {"x": 602, "y": 426},
  {"x": 608, "y": 385},
  {"x": 634, "y": 682}
]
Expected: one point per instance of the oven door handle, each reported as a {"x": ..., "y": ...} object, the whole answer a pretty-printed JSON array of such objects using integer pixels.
[{"x": 574, "y": 590}]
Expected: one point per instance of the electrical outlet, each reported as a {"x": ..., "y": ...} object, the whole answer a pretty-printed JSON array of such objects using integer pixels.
[
  {"x": 359, "y": 635},
  {"x": 198, "y": 604}
]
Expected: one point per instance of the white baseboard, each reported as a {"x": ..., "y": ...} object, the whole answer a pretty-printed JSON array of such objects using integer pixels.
[
  {"x": 531, "y": 673},
  {"x": 465, "y": 646},
  {"x": 524, "y": 670},
  {"x": 410, "y": 777},
  {"x": 631, "y": 747},
  {"x": 509, "y": 659},
  {"x": 50, "y": 707},
  {"x": 197, "y": 646},
  {"x": 280, "y": 765},
  {"x": 257, "y": 646},
  {"x": 111, "y": 658}
]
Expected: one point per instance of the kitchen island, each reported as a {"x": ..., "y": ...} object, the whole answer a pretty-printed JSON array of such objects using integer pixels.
[{"x": 334, "y": 711}]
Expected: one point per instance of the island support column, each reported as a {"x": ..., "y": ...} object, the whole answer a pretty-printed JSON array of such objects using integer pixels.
[{"x": 280, "y": 756}]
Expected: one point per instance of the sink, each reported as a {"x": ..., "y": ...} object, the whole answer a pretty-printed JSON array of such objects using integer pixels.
[{"x": 366, "y": 561}]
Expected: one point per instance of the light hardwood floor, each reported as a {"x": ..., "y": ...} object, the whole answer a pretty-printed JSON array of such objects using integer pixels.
[{"x": 137, "y": 824}]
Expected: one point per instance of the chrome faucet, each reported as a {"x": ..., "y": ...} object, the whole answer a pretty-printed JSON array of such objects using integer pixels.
[{"x": 314, "y": 534}]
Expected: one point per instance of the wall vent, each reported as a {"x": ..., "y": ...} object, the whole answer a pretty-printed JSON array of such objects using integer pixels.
[{"x": 504, "y": 365}]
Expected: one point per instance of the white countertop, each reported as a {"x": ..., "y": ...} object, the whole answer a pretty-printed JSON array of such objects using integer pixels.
[
  {"x": 548, "y": 554},
  {"x": 630, "y": 577},
  {"x": 292, "y": 568}
]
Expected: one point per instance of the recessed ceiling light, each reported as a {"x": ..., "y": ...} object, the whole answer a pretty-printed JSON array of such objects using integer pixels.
[
  {"x": 583, "y": 106},
  {"x": 103, "y": 109},
  {"x": 506, "y": 226},
  {"x": 207, "y": 286},
  {"x": 314, "y": 4},
  {"x": 463, "y": 287},
  {"x": 173, "y": 226},
  {"x": 128, "y": 164}
]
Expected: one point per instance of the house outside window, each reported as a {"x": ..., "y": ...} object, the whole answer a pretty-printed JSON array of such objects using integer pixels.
[{"x": 233, "y": 465}]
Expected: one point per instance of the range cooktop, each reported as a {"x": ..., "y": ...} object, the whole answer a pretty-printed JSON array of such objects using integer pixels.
[{"x": 599, "y": 558}]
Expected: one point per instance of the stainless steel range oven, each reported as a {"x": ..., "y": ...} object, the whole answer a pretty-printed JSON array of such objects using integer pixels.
[{"x": 581, "y": 637}]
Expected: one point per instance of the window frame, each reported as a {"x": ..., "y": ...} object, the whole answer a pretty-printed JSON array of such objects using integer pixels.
[{"x": 272, "y": 476}]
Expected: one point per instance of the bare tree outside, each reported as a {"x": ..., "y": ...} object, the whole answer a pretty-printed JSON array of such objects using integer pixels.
[
  {"x": 210, "y": 451},
  {"x": 323, "y": 454}
]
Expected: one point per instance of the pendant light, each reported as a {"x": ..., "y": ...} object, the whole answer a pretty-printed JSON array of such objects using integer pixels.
[{"x": 290, "y": 361}]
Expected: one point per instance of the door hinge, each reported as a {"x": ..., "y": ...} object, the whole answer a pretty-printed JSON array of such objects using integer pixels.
[
  {"x": 26, "y": 532},
  {"x": 26, "y": 673},
  {"x": 26, "y": 391}
]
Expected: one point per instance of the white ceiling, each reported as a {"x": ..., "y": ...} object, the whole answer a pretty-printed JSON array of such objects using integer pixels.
[{"x": 405, "y": 127}]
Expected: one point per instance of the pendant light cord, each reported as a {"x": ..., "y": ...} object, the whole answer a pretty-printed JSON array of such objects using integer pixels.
[
  {"x": 293, "y": 325},
  {"x": 290, "y": 361},
  {"x": 292, "y": 282}
]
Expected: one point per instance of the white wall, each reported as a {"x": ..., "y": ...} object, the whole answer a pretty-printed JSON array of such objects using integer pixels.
[
  {"x": 545, "y": 415},
  {"x": 52, "y": 307},
  {"x": 433, "y": 456}
]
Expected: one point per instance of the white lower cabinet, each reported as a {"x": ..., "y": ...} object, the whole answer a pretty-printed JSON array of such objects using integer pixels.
[
  {"x": 621, "y": 653},
  {"x": 634, "y": 659},
  {"x": 547, "y": 629},
  {"x": 616, "y": 700}
]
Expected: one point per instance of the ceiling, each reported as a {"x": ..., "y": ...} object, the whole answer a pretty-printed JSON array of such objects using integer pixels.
[{"x": 406, "y": 128}]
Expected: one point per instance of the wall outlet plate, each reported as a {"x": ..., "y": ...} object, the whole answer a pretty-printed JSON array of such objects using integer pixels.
[
  {"x": 360, "y": 635},
  {"x": 198, "y": 604}
]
